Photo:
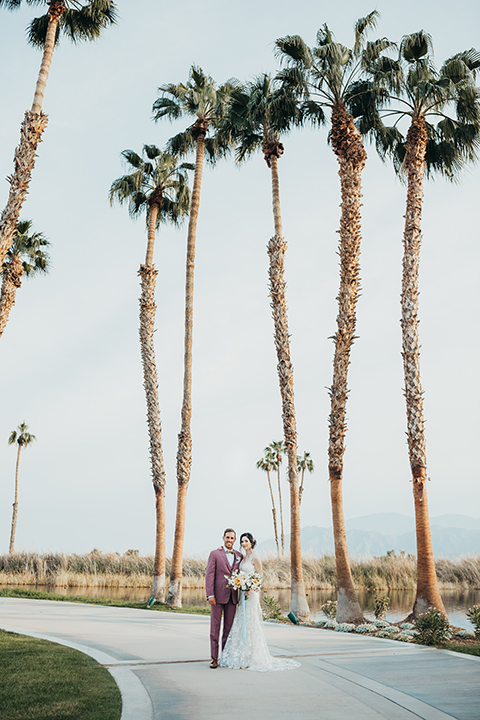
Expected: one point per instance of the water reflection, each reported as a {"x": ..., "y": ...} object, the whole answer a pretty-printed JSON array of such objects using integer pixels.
[{"x": 456, "y": 602}]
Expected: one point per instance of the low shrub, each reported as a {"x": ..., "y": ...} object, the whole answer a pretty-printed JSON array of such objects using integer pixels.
[
  {"x": 329, "y": 609},
  {"x": 344, "y": 627},
  {"x": 473, "y": 614},
  {"x": 433, "y": 628},
  {"x": 404, "y": 637},
  {"x": 381, "y": 607},
  {"x": 366, "y": 628},
  {"x": 381, "y": 623},
  {"x": 465, "y": 634},
  {"x": 272, "y": 610}
]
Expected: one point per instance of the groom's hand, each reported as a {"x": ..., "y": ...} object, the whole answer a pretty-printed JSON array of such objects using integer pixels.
[{"x": 212, "y": 601}]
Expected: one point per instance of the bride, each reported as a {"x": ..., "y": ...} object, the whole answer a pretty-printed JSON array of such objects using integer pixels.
[{"x": 246, "y": 647}]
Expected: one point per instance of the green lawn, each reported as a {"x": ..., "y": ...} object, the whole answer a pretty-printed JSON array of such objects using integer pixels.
[
  {"x": 472, "y": 648},
  {"x": 42, "y": 680}
]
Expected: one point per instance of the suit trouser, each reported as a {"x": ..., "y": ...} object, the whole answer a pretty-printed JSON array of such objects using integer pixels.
[{"x": 216, "y": 611}]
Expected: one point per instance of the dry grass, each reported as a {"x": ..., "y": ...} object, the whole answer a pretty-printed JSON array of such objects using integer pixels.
[{"x": 98, "y": 569}]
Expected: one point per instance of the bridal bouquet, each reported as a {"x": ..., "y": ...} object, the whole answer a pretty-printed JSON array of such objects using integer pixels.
[{"x": 240, "y": 580}]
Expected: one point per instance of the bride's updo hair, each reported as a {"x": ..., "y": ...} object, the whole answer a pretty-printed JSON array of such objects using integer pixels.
[{"x": 250, "y": 537}]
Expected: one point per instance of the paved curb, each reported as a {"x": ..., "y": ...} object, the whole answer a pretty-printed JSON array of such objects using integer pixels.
[{"x": 136, "y": 702}]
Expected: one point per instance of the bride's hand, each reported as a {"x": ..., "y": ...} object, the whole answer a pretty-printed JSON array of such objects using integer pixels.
[{"x": 247, "y": 593}]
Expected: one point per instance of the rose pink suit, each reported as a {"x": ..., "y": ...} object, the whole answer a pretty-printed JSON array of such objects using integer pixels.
[{"x": 226, "y": 598}]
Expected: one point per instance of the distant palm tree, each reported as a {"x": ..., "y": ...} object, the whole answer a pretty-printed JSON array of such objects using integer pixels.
[
  {"x": 450, "y": 98},
  {"x": 199, "y": 98},
  {"x": 277, "y": 448},
  {"x": 329, "y": 75},
  {"x": 78, "y": 21},
  {"x": 268, "y": 463},
  {"x": 25, "y": 256},
  {"x": 23, "y": 439},
  {"x": 304, "y": 463},
  {"x": 158, "y": 186}
]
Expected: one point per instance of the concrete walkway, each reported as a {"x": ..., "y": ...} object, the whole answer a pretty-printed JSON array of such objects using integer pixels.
[{"x": 160, "y": 662}]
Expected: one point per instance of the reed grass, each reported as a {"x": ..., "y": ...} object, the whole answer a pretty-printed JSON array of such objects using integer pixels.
[{"x": 97, "y": 569}]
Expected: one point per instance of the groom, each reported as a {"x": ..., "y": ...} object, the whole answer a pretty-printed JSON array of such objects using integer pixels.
[{"x": 222, "y": 599}]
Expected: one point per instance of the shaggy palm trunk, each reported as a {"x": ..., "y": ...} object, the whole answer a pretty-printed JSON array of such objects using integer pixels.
[
  {"x": 274, "y": 513},
  {"x": 148, "y": 277},
  {"x": 276, "y": 251},
  {"x": 427, "y": 586},
  {"x": 11, "y": 548},
  {"x": 184, "y": 453},
  {"x": 24, "y": 160},
  {"x": 31, "y": 133},
  {"x": 11, "y": 281},
  {"x": 348, "y": 146}
]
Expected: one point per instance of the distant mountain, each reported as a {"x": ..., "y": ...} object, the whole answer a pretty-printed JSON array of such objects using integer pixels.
[
  {"x": 383, "y": 523},
  {"x": 456, "y": 521},
  {"x": 452, "y": 535}
]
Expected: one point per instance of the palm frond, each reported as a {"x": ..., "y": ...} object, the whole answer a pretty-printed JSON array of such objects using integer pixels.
[
  {"x": 181, "y": 144},
  {"x": 313, "y": 113},
  {"x": 361, "y": 26},
  {"x": 416, "y": 46},
  {"x": 37, "y": 31},
  {"x": 292, "y": 49}
]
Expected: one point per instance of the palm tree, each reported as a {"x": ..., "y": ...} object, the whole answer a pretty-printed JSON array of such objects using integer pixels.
[
  {"x": 424, "y": 96},
  {"x": 267, "y": 463},
  {"x": 304, "y": 463},
  {"x": 78, "y": 21},
  {"x": 25, "y": 256},
  {"x": 23, "y": 439},
  {"x": 277, "y": 448},
  {"x": 199, "y": 98},
  {"x": 260, "y": 113},
  {"x": 158, "y": 186},
  {"x": 329, "y": 76}
]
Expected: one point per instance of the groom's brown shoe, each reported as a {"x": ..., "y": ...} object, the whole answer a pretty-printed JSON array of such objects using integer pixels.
[{"x": 214, "y": 663}]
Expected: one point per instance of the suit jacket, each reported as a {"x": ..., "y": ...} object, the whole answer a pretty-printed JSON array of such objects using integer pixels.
[{"x": 215, "y": 580}]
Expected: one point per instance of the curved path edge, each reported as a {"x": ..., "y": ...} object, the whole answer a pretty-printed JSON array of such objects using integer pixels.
[{"x": 136, "y": 702}]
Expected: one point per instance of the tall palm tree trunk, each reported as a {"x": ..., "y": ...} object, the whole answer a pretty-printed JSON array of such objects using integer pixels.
[
  {"x": 184, "y": 453},
  {"x": 11, "y": 548},
  {"x": 31, "y": 132},
  {"x": 276, "y": 250},
  {"x": 277, "y": 217},
  {"x": 427, "y": 586},
  {"x": 11, "y": 281},
  {"x": 348, "y": 146},
  {"x": 55, "y": 11},
  {"x": 274, "y": 513},
  {"x": 148, "y": 278}
]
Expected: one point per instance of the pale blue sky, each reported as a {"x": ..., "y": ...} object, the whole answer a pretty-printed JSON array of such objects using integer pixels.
[{"x": 70, "y": 354}]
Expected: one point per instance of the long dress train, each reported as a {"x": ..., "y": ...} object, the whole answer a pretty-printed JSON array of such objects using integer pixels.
[{"x": 246, "y": 647}]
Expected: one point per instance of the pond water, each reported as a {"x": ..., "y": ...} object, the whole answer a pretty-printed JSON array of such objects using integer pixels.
[{"x": 456, "y": 602}]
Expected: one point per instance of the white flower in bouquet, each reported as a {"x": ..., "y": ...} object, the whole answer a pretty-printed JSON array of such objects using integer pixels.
[{"x": 245, "y": 581}]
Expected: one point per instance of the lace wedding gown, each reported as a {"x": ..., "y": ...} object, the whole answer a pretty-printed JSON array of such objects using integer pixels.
[{"x": 246, "y": 647}]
